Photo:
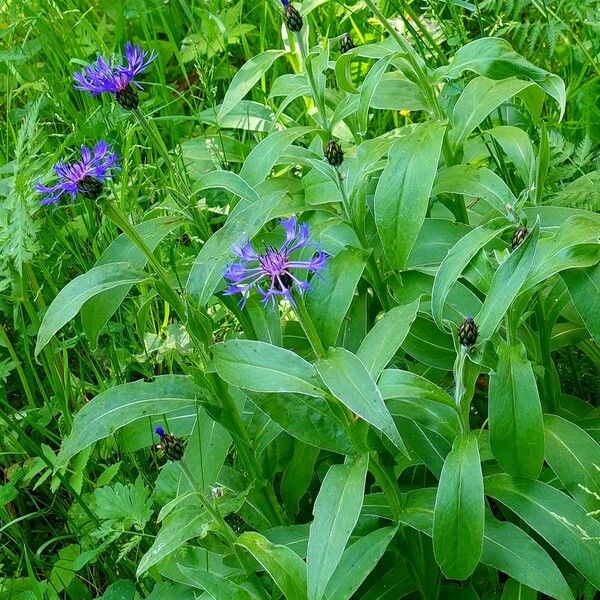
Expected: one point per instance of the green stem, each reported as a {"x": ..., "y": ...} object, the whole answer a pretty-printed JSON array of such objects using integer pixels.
[
  {"x": 312, "y": 84},
  {"x": 115, "y": 214},
  {"x": 224, "y": 529},
  {"x": 308, "y": 326}
]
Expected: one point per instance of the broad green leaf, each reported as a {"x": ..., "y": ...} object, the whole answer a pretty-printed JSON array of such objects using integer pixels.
[
  {"x": 78, "y": 291},
  {"x": 367, "y": 89},
  {"x": 336, "y": 512},
  {"x": 182, "y": 525},
  {"x": 298, "y": 475},
  {"x": 262, "y": 367},
  {"x": 330, "y": 295},
  {"x": 553, "y": 515},
  {"x": 506, "y": 547},
  {"x": 404, "y": 188},
  {"x": 395, "y": 92},
  {"x": 584, "y": 289},
  {"x": 515, "y": 414},
  {"x": 506, "y": 284},
  {"x": 495, "y": 58},
  {"x": 116, "y": 407},
  {"x": 96, "y": 312},
  {"x": 383, "y": 341},
  {"x": 457, "y": 259},
  {"x": 517, "y": 146},
  {"x": 265, "y": 154},
  {"x": 475, "y": 182},
  {"x": 349, "y": 381},
  {"x": 243, "y": 81},
  {"x": 459, "y": 515},
  {"x": 307, "y": 418},
  {"x": 342, "y": 65},
  {"x": 479, "y": 98},
  {"x": 575, "y": 458},
  {"x": 357, "y": 562},
  {"x": 243, "y": 223},
  {"x": 227, "y": 180},
  {"x": 284, "y": 566},
  {"x": 217, "y": 586}
]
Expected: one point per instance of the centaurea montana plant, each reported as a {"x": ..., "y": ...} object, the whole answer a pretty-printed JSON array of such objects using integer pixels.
[
  {"x": 85, "y": 176},
  {"x": 103, "y": 76},
  {"x": 274, "y": 273}
]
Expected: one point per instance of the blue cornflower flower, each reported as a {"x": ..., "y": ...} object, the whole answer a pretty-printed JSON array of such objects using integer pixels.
[
  {"x": 104, "y": 76},
  {"x": 273, "y": 273},
  {"x": 85, "y": 176}
]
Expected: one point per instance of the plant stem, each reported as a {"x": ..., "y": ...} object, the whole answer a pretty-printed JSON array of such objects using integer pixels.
[{"x": 115, "y": 214}]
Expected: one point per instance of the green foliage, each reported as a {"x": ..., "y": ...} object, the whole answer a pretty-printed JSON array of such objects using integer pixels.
[{"x": 344, "y": 445}]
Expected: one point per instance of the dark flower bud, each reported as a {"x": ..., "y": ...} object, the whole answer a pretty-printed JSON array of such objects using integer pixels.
[
  {"x": 347, "y": 43},
  {"x": 170, "y": 445},
  {"x": 128, "y": 98},
  {"x": 334, "y": 154},
  {"x": 293, "y": 20},
  {"x": 519, "y": 235},
  {"x": 467, "y": 332},
  {"x": 90, "y": 187}
]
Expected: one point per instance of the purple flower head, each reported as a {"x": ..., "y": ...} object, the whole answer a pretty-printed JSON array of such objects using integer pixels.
[
  {"x": 274, "y": 273},
  {"x": 104, "y": 76},
  {"x": 160, "y": 432},
  {"x": 85, "y": 176}
]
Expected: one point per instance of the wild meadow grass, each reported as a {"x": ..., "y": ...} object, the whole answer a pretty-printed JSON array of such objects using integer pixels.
[{"x": 299, "y": 300}]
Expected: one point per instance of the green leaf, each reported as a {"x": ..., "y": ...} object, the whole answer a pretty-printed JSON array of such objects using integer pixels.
[
  {"x": 284, "y": 566},
  {"x": 584, "y": 289},
  {"x": 575, "y": 458},
  {"x": 517, "y": 146},
  {"x": 457, "y": 259},
  {"x": 96, "y": 312},
  {"x": 357, "y": 562},
  {"x": 330, "y": 296},
  {"x": 77, "y": 292},
  {"x": 513, "y": 590},
  {"x": 552, "y": 514},
  {"x": 506, "y": 547},
  {"x": 262, "y": 367},
  {"x": 506, "y": 284},
  {"x": 475, "y": 182},
  {"x": 217, "y": 586},
  {"x": 404, "y": 188},
  {"x": 495, "y": 58},
  {"x": 509, "y": 549},
  {"x": 349, "y": 381},
  {"x": 515, "y": 414},
  {"x": 336, "y": 512},
  {"x": 244, "y": 222},
  {"x": 367, "y": 90},
  {"x": 459, "y": 515},
  {"x": 479, "y": 98},
  {"x": 265, "y": 154},
  {"x": 243, "y": 81},
  {"x": 308, "y": 419},
  {"x": 383, "y": 341},
  {"x": 116, "y": 407}
]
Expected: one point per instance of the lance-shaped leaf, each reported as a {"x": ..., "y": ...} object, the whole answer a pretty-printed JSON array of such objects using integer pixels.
[
  {"x": 402, "y": 195},
  {"x": 584, "y": 288},
  {"x": 336, "y": 512},
  {"x": 383, "y": 341},
  {"x": 506, "y": 284},
  {"x": 459, "y": 514},
  {"x": 262, "y": 367},
  {"x": 116, "y": 407},
  {"x": 553, "y": 515},
  {"x": 457, "y": 260},
  {"x": 77, "y": 292},
  {"x": 349, "y": 381},
  {"x": 515, "y": 414},
  {"x": 284, "y": 566}
]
